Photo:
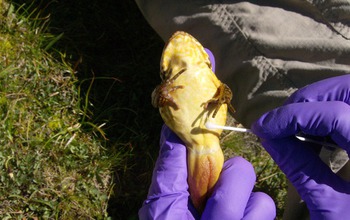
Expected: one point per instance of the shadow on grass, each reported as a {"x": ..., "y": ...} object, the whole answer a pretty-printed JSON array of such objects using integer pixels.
[{"x": 116, "y": 55}]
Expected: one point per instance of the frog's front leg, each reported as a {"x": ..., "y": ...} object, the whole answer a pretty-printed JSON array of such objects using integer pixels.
[
  {"x": 223, "y": 95},
  {"x": 161, "y": 94}
]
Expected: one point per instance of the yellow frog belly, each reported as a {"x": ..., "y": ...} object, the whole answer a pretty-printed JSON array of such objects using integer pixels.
[{"x": 191, "y": 95}]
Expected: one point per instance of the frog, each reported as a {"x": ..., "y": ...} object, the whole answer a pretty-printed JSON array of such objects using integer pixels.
[{"x": 189, "y": 96}]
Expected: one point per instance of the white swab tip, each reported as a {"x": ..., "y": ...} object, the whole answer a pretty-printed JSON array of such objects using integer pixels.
[{"x": 210, "y": 125}]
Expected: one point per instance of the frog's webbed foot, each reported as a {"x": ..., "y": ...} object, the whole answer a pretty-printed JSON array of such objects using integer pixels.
[
  {"x": 223, "y": 95},
  {"x": 161, "y": 94}
]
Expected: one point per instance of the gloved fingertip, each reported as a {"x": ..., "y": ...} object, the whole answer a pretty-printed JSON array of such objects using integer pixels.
[
  {"x": 238, "y": 165},
  {"x": 258, "y": 126},
  {"x": 211, "y": 58},
  {"x": 260, "y": 206},
  {"x": 232, "y": 190},
  {"x": 330, "y": 89}
]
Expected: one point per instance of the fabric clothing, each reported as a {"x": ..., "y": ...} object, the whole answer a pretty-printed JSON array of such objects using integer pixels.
[{"x": 264, "y": 50}]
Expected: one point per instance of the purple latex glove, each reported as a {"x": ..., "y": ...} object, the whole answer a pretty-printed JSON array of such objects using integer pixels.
[
  {"x": 211, "y": 58},
  {"x": 320, "y": 109},
  {"x": 168, "y": 196}
]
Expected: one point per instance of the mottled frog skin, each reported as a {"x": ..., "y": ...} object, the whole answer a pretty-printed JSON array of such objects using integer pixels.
[{"x": 189, "y": 96}]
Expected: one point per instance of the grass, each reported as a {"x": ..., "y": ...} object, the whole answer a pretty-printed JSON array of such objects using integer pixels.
[
  {"x": 79, "y": 137},
  {"x": 269, "y": 177},
  {"x": 49, "y": 167}
]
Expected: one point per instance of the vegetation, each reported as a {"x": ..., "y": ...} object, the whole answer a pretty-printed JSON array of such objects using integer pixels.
[
  {"x": 49, "y": 167},
  {"x": 78, "y": 139}
]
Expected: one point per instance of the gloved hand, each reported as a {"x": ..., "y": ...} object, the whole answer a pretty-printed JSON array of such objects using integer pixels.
[
  {"x": 232, "y": 198},
  {"x": 320, "y": 109}
]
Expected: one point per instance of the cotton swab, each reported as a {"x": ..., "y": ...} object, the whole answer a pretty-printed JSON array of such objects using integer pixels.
[{"x": 211, "y": 125}]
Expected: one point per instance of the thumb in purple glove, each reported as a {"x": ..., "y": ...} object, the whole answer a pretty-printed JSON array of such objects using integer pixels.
[
  {"x": 233, "y": 197},
  {"x": 327, "y": 196},
  {"x": 168, "y": 196}
]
